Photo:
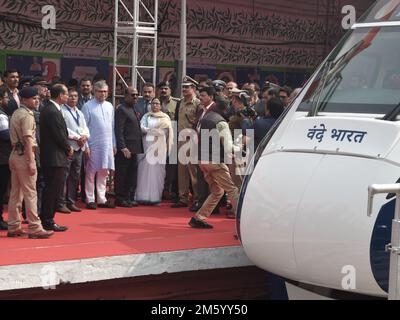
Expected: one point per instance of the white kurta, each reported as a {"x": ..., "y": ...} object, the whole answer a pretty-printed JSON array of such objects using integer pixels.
[{"x": 99, "y": 118}]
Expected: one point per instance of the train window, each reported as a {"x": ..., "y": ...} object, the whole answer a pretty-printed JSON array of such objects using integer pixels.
[
  {"x": 384, "y": 10},
  {"x": 362, "y": 75}
]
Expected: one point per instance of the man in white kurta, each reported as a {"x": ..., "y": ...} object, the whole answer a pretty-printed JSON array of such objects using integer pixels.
[{"x": 99, "y": 116}]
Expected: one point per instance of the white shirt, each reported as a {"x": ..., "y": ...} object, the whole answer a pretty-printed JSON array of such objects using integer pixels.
[{"x": 76, "y": 126}]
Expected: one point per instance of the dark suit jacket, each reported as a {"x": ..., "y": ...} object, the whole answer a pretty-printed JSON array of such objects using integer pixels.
[
  {"x": 141, "y": 107},
  {"x": 213, "y": 107},
  {"x": 12, "y": 104},
  {"x": 54, "y": 145},
  {"x": 127, "y": 129}
]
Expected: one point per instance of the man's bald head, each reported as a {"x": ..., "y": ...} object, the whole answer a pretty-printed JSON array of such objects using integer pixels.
[{"x": 131, "y": 95}]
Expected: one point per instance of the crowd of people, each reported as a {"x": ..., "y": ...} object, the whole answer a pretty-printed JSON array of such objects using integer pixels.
[{"x": 61, "y": 141}]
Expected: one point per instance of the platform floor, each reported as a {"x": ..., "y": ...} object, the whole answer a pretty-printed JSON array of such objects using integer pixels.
[{"x": 121, "y": 231}]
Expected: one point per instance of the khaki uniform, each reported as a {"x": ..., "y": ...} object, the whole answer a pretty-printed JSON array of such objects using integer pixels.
[
  {"x": 188, "y": 114},
  {"x": 187, "y": 118},
  {"x": 219, "y": 180},
  {"x": 170, "y": 107},
  {"x": 23, "y": 186}
]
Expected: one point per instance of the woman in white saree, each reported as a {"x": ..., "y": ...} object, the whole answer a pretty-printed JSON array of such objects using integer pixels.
[{"x": 157, "y": 142}]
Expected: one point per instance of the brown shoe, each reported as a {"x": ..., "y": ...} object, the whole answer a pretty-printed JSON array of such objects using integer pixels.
[
  {"x": 41, "y": 234},
  {"x": 64, "y": 209},
  {"x": 16, "y": 233}
]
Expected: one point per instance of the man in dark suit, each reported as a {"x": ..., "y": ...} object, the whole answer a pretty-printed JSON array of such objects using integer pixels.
[
  {"x": 208, "y": 104},
  {"x": 54, "y": 150},
  {"x": 129, "y": 143},
  {"x": 85, "y": 92},
  {"x": 144, "y": 104},
  {"x": 11, "y": 77}
]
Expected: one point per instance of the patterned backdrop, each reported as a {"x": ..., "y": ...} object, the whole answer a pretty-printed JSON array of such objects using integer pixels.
[{"x": 234, "y": 34}]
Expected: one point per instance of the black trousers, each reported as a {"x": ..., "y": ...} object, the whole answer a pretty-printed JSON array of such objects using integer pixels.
[
  {"x": 5, "y": 175},
  {"x": 125, "y": 176},
  {"x": 72, "y": 175},
  {"x": 39, "y": 189},
  {"x": 54, "y": 182}
]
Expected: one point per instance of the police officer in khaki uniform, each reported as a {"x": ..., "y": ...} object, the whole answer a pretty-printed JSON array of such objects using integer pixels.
[
  {"x": 186, "y": 116},
  {"x": 168, "y": 106},
  {"x": 23, "y": 168},
  {"x": 168, "y": 103}
]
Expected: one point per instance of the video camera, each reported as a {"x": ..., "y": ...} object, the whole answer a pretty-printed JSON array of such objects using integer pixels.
[
  {"x": 269, "y": 85},
  {"x": 246, "y": 112},
  {"x": 219, "y": 85}
]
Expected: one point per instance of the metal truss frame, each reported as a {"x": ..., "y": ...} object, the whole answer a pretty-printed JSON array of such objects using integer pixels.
[{"x": 135, "y": 36}]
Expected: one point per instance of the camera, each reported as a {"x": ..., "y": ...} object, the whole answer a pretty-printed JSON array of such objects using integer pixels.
[
  {"x": 219, "y": 85},
  {"x": 246, "y": 112},
  {"x": 270, "y": 85}
]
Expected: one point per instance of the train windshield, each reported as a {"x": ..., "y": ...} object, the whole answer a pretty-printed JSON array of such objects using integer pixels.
[{"x": 362, "y": 75}]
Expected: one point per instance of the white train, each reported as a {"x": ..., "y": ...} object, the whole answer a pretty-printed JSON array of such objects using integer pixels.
[{"x": 302, "y": 212}]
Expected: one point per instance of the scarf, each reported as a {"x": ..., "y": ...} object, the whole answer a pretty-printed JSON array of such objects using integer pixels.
[{"x": 165, "y": 123}]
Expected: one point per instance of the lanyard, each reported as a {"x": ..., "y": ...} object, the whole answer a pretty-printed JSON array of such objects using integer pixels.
[{"x": 75, "y": 118}]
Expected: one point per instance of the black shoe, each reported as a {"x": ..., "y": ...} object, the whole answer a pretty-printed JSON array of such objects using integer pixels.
[
  {"x": 91, "y": 206},
  {"x": 63, "y": 209},
  {"x": 55, "y": 227},
  {"x": 133, "y": 203},
  {"x": 179, "y": 204},
  {"x": 123, "y": 203},
  {"x": 199, "y": 224},
  {"x": 73, "y": 208},
  {"x": 107, "y": 205},
  {"x": 196, "y": 207},
  {"x": 3, "y": 225}
]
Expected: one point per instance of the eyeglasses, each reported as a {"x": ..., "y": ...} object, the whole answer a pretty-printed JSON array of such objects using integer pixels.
[
  {"x": 282, "y": 97},
  {"x": 134, "y": 95}
]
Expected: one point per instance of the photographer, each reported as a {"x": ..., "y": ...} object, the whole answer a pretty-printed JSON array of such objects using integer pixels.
[
  {"x": 273, "y": 109},
  {"x": 220, "y": 88},
  {"x": 243, "y": 113},
  {"x": 241, "y": 120},
  {"x": 269, "y": 91}
]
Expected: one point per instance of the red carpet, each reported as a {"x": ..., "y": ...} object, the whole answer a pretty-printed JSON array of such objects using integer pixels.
[{"x": 121, "y": 231}]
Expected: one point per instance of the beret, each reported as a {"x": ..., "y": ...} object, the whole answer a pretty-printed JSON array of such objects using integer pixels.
[{"x": 28, "y": 92}]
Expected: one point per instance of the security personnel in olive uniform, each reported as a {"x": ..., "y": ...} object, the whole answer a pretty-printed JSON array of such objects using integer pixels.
[
  {"x": 186, "y": 116},
  {"x": 23, "y": 168},
  {"x": 168, "y": 103},
  {"x": 168, "y": 106}
]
